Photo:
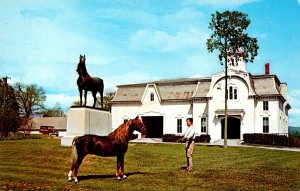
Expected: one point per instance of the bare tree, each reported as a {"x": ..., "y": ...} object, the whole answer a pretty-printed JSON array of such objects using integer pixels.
[{"x": 31, "y": 102}]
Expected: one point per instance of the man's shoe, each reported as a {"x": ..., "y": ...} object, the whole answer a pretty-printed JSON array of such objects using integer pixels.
[{"x": 188, "y": 170}]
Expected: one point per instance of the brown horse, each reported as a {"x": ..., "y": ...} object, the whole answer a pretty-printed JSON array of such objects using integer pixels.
[
  {"x": 115, "y": 144},
  {"x": 87, "y": 83}
]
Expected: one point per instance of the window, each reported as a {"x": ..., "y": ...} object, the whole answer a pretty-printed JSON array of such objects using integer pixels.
[
  {"x": 235, "y": 94},
  {"x": 179, "y": 125},
  {"x": 266, "y": 105},
  {"x": 203, "y": 125},
  {"x": 265, "y": 124},
  {"x": 152, "y": 97},
  {"x": 232, "y": 94}
]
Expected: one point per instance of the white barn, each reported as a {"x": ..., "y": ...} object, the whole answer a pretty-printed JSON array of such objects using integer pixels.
[{"x": 256, "y": 104}]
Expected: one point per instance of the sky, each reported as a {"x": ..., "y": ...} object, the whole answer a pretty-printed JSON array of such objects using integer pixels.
[{"x": 133, "y": 41}]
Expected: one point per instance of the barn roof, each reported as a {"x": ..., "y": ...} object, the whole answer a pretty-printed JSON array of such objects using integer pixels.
[
  {"x": 266, "y": 85},
  {"x": 131, "y": 93},
  {"x": 202, "y": 89},
  {"x": 184, "y": 89}
]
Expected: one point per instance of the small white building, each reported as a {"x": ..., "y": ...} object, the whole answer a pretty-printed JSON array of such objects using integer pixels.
[{"x": 256, "y": 104}]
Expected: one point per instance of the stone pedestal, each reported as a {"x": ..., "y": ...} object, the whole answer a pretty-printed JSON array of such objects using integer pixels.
[{"x": 86, "y": 120}]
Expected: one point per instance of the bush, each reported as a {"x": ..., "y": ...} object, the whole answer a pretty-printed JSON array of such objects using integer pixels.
[
  {"x": 295, "y": 139},
  {"x": 268, "y": 139},
  {"x": 175, "y": 138},
  {"x": 20, "y": 136},
  {"x": 171, "y": 138},
  {"x": 202, "y": 139}
]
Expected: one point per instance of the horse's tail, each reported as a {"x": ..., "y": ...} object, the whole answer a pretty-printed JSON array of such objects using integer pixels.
[{"x": 74, "y": 149}]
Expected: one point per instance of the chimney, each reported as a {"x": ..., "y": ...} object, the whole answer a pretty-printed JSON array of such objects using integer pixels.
[{"x": 267, "y": 69}]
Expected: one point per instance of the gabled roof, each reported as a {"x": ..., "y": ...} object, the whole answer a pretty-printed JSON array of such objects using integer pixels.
[
  {"x": 169, "y": 90},
  {"x": 266, "y": 85},
  {"x": 129, "y": 93},
  {"x": 185, "y": 89},
  {"x": 202, "y": 89}
]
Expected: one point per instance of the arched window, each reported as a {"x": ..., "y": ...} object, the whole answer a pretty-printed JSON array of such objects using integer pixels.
[
  {"x": 232, "y": 93},
  {"x": 152, "y": 97}
]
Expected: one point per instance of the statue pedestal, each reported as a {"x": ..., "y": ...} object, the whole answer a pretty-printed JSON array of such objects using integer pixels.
[{"x": 86, "y": 120}]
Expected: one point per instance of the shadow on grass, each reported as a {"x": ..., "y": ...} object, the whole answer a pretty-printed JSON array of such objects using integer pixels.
[{"x": 90, "y": 177}]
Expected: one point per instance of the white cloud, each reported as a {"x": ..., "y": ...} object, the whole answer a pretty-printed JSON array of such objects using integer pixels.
[
  {"x": 224, "y": 3},
  {"x": 64, "y": 100},
  {"x": 129, "y": 78},
  {"x": 161, "y": 41},
  {"x": 125, "y": 15},
  {"x": 294, "y": 98},
  {"x": 204, "y": 66},
  {"x": 294, "y": 113},
  {"x": 186, "y": 14}
]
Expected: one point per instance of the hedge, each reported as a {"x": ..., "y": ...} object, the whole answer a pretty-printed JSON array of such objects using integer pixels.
[
  {"x": 175, "y": 138},
  {"x": 272, "y": 139}
]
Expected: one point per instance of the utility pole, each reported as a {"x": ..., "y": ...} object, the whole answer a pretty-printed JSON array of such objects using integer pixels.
[
  {"x": 4, "y": 102},
  {"x": 5, "y": 90},
  {"x": 226, "y": 99}
]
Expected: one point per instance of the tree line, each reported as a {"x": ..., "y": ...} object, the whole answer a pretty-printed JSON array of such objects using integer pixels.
[{"x": 19, "y": 103}]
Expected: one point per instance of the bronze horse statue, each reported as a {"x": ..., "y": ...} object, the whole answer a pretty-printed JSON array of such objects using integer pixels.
[
  {"x": 87, "y": 83},
  {"x": 115, "y": 144}
]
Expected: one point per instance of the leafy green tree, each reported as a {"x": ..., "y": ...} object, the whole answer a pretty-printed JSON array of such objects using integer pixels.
[
  {"x": 9, "y": 110},
  {"x": 106, "y": 100},
  {"x": 30, "y": 98},
  {"x": 76, "y": 103},
  {"x": 229, "y": 38},
  {"x": 56, "y": 111}
]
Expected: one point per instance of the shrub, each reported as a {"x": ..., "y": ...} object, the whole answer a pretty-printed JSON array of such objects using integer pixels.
[
  {"x": 202, "y": 139},
  {"x": 175, "y": 138},
  {"x": 20, "y": 136},
  {"x": 268, "y": 139},
  {"x": 295, "y": 139},
  {"x": 171, "y": 138}
]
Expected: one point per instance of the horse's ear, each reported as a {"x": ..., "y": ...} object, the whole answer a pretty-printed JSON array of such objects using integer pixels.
[{"x": 130, "y": 122}]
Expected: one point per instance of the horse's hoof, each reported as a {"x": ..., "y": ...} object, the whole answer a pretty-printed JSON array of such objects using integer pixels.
[
  {"x": 119, "y": 178},
  {"x": 76, "y": 181},
  {"x": 124, "y": 176}
]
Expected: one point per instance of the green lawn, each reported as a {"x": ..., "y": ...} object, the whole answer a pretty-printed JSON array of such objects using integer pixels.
[{"x": 43, "y": 164}]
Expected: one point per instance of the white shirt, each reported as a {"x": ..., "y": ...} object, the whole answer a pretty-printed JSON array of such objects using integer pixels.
[{"x": 190, "y": 133}]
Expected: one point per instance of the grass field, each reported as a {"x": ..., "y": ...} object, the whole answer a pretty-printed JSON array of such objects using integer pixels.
[{"x": 43, "y": 165}]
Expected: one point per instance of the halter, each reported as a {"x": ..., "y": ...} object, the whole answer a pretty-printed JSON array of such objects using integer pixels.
[{"x": 143, "y": 128}]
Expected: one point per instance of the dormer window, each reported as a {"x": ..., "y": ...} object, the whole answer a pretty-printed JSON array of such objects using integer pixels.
[
  {"x": 265, "y": 105},
  {"x": 232, "y": 94},
  {"x": 152, "y": 97}
]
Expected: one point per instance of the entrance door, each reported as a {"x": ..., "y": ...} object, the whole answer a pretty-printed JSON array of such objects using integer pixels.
[
  {"x": 154, "y": 125},
  {"x": 233, "y": 128}
]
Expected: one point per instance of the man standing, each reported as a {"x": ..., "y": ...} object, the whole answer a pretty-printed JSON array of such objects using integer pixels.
[{"x": 189, "y": 138}]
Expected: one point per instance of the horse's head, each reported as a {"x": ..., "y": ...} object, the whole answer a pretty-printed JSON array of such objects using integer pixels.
[
  {"x": 82, "y": 59},
  {"x": 81, "y": 65},
  {"x": 138, "y": 125}
]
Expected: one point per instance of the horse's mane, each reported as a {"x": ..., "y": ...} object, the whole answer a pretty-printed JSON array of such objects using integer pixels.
[
  {"x": 121, "y": 130},
  {"x": 82, "y": 66}
]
